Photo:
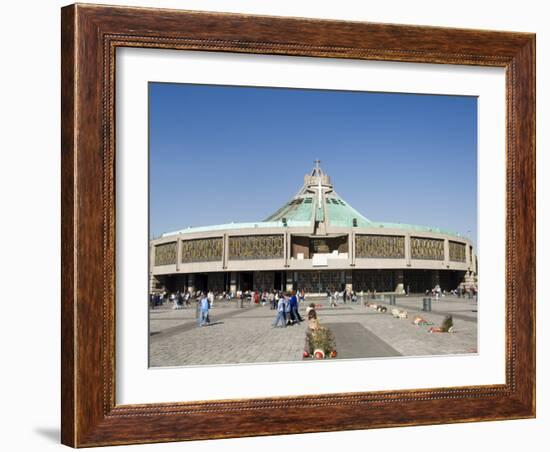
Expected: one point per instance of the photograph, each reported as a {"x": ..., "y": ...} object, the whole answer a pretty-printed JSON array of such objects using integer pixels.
[{"x": 310, "y": 225}]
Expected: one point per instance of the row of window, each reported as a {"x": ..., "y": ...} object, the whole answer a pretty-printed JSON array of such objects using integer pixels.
[{"x": 271, "y": 247}]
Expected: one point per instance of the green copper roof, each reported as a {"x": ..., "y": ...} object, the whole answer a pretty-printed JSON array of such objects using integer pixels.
[
  {"x": 297, "y": 209},
  {"x": 235, "y": 226},
  {"x": 341, "y": 214},
  {"x": 412, "y": 228},
  {"x": 314, "y": 205}
]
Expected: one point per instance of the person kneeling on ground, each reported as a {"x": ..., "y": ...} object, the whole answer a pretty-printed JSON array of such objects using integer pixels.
[{"x": 313, "y": 325}]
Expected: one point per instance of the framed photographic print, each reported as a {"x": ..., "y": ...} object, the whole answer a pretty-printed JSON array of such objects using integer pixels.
[{"x": 282, "y": 225}]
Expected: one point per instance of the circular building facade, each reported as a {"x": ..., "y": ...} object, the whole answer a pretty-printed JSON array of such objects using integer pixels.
[{"x": 315, "y": 242}]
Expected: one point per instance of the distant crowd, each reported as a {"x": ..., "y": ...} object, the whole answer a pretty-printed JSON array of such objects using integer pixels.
[
  {"x": 460, "y": 292},
  {"x": 184, "y": 298}
]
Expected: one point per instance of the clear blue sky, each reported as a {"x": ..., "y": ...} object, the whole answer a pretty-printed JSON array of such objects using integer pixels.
[{"x": 222, "y": 153}]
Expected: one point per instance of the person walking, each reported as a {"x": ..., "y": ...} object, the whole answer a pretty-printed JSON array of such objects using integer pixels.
[
  {"x": 332, "y": 300},
  {"x": 294, "y": 314},
  {"x": 281, "y": 318},
  {"x": 287, "y": 309},
  {"x": 175, "y": 300},
  {"x": 240, "y": 296},
  {"x": 204, "y": 307}
]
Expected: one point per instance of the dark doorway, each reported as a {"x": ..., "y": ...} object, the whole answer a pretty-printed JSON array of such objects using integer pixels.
[
  {"x": 201, "y": 281},
  {"x": 418, "y": 281},
  {"x": 246, "y": 281},
  {"x": 278, "y": 281},
  {"x": 450, "y": 279},
  {"x": 379, "y": 280},
  {"x": 227, "y": 281},
  {"x": 173, "y": 283}
]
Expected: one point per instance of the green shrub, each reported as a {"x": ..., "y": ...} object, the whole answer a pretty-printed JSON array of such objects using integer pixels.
[{"x": 322, "y": 339}]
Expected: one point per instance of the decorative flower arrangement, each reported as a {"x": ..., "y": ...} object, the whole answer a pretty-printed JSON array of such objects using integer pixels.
[{"x": 321, "y": 343}]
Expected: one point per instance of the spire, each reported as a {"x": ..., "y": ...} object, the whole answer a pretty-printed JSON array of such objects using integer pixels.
[
  {"x": 316, "y": 179},
  {"x": 317, "y": 202},
  {"x": 317, "y": 171}
]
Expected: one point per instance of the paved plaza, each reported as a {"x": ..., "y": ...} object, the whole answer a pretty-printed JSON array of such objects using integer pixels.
[{"x": 245, "y": 335}]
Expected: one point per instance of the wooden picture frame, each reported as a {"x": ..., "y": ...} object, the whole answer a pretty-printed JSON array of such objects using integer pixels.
[{"x": 90, "y": 36}]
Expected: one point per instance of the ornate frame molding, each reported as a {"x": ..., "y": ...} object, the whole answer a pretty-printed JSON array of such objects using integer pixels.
[{"x": 90, "y": 36}]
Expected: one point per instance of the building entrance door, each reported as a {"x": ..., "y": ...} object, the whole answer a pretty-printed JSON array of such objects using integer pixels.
[
  {"x": 201, "y": 282},
  {"x": 247, "y": 280},
  {"x": 278, "y": 280}
]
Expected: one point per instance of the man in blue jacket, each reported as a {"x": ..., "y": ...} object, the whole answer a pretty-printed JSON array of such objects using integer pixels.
[
  {"x": 204, "y": 307},
  {"x": 294, "y": 314}
]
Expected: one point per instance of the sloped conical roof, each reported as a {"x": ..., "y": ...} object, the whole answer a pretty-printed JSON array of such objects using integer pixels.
[
  {"x": 317, "y": 201},
  {"x": 316, "y": 206}
]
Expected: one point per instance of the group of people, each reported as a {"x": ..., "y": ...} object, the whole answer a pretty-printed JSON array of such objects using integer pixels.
[
  {"x": 346, "y": 295},
  {"x": 157, "y": 299},
  {"x": 180, "y": 299},
  {"x": 183, "y": 298},
  {"x": 287, "y": 306},
  {"x": 460, "y": 292},
  {"x": 465, "y": 292}
]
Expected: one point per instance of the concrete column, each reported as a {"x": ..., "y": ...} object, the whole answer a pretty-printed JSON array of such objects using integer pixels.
[
  {"x": 233, "y": 282},
  {"x": 286, "y": 239},
  {"x": 178, "y": 253},
  {"x": 225, "y": 250},
  {"x": 351, "y": 248},
  {"x": 399, "y": 284},
  {"x": 446, "y": 253},
  {"x": 288, "y": 247},
  {"x": 408, "y": 250},
  {"x": 152, "y": 251}
]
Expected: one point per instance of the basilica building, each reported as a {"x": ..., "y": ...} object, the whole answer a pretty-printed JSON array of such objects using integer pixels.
[{"x": 315, "y": 242}]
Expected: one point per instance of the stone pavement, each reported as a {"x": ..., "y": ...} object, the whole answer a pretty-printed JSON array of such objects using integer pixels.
[{"x": 244, "y": 335}]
